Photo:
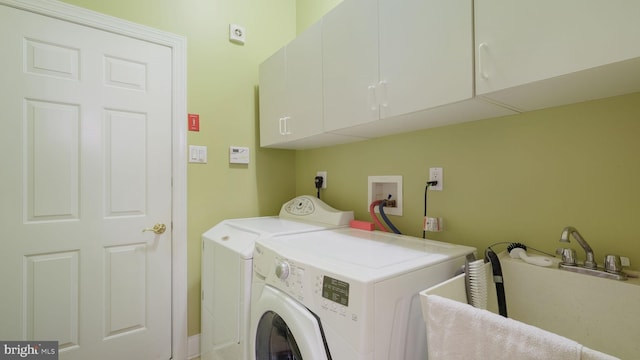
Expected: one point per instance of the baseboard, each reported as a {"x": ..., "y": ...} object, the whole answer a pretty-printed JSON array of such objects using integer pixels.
[{"x": 193, "y": 347}]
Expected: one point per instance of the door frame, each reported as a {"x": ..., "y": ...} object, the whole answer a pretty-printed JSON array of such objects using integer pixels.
[{"x": 178, "y": 46}]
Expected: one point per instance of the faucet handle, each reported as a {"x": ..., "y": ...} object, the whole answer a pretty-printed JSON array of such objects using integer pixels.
[
  {"x": 612, "y": 263},
  {"x": 568, "y": 256}
]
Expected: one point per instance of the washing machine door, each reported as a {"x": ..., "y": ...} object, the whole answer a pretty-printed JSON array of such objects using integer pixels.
[{"x": 283, "y": 329}]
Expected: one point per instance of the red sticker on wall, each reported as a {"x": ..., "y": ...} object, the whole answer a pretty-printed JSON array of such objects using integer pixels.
[{"x": 194, "y": 122}]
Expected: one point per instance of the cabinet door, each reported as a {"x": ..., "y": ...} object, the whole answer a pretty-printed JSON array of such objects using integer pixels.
[
  {"x": 273, "y": 99},
  {"x": 304, "y": 84},
  {"x": 426, "y": 55},
  {"x": 350, "y": 64},
  {"x": 524, "y": 42}
]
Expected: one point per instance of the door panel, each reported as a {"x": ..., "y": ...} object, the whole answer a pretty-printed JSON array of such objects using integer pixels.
[
  {"x": 51, "y": 286},
  {"x": 86, "y": 134},
  {"x": 426, "y": 57},
  {"x": 125, "y": 150},
  {"x": 125, "y": 284},
  {"x": 350, "y": 64},
  {"x": 51, "y": 158}
]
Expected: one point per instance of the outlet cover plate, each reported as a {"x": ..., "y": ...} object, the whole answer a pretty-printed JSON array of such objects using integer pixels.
[{"x": 435, "y": 174}]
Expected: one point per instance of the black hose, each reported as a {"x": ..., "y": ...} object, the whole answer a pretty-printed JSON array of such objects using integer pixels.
[
  {"x": 386, "y": 219},
  {"x": 491, "y": 257}
]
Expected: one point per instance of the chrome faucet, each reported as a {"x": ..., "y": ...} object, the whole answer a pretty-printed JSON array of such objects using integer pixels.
[{"x": 589, "y": 262}]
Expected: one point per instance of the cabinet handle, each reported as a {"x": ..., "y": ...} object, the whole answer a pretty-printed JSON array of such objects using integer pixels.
[
  {"x": 373, "y": 102},
  {"x": 283, "y": 126},
  {"x": 481, "y": 67},
  {"x": 384, "y": 93}
]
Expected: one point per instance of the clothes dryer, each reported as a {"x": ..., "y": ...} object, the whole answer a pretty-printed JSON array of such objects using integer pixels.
[
  {"x": 345, "y": 294},
  {"x": 227, "y": 252}
]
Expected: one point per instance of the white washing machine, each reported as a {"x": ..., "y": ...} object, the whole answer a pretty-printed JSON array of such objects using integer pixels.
[
  {"x": 227, "y": 252},
  {"x": 345, "y": 294}
]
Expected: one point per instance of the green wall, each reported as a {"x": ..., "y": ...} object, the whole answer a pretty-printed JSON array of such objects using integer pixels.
[
  {"x": 222, "y": 88},
  {"x": 520, "y": 178}
]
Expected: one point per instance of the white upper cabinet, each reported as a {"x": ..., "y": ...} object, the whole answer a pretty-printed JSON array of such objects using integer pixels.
[
  {"x": 425, "y": 55},
  {"x": 371, "y": 68},
  {"x": 350, "y": 64},
  {"x": 393, "y": 57},
  {"x": 291, "y": 90},
  {"x": 536, "y": 54},
  {"x": 273, "y": 99},
  {"x": 392, "y": 66}
]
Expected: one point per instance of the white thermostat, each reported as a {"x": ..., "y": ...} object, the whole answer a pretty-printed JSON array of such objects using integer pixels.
[{"x": 238, "y": 155}]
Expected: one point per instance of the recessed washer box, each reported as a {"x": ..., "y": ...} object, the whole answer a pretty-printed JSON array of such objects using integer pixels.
[{"x": 380, "y": 187}]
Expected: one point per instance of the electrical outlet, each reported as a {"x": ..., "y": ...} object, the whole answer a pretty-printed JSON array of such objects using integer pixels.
[
  {"x": 324, "y": 178},
  {"x": 435, "y": 174}
]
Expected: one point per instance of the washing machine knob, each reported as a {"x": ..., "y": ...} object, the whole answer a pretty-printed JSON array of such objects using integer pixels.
[{"x": 282, "y": 270}]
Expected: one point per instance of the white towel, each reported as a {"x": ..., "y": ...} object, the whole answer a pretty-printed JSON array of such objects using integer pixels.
[
  {"x": 590, "y": 354},
  {"x": 457, "y": 331}
]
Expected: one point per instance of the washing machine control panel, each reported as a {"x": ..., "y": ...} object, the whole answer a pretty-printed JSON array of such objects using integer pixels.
[
  {"x": 289, "y": 277},
  {"x": 335, "y": 290},
  {"x": 312, "y": 287},
  {"x": 309, "y": 208},
  {"x": 282, "y": 270}
]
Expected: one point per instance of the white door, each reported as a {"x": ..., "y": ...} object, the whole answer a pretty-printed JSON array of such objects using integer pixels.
[{"x": 86, "y": 165}]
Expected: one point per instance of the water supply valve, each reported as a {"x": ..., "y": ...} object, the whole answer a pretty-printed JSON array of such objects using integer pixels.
[
  {"x": 612, "y": 263},
  {"x": 568, "y": 256}
]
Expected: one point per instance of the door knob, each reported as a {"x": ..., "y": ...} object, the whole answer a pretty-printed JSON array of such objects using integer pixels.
[{"x": 157, "y": 228}]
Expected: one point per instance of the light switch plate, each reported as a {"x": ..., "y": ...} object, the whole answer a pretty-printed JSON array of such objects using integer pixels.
[{"x": 197, "y": 154}]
